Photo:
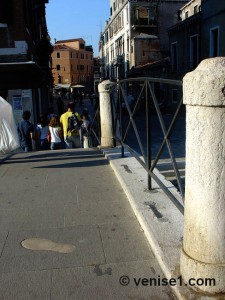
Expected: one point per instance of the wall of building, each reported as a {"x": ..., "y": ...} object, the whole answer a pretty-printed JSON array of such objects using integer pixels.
[
  {"x": 14, "y": 30},
  {"x": 213, "y": 13},
  {"x": 23, "y": 32},
  {"x": 167, "y": 17},
  {"x": 181, "y": 36},
  {"x": 207, "y": 24},
  {"x": 76, "y": 66},
  {"x": 136, "y": 21},
  {"x": 64, "y": 63},
  {"x": 117, "y": 28},
  {"x": 146, "y": 50},
  {"x": 191, "y": 8},
  {"x": 75, "y": 44}
]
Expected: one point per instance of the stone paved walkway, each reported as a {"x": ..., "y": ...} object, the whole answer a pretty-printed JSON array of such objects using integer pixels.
[{"x": 70, "y": 197}]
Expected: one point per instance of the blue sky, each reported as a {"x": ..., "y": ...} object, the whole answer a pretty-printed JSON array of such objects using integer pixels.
[{"x": 69, "y": 19}]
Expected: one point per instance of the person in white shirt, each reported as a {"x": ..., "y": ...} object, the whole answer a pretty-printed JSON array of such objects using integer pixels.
[{"x": 56, "y": 133}]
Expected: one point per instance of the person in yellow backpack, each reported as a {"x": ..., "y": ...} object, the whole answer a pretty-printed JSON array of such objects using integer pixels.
[{"x": 71, "y": 137}]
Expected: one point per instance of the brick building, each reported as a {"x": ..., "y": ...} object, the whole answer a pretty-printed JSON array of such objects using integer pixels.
[
  {"x": 73, "y": 63},
  {"x": 25, "y": 77}
]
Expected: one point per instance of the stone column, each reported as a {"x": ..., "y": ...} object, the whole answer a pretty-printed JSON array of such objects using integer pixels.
[
  {"x": 105, "y": 114},
  {"x": 203, "y": 253}
]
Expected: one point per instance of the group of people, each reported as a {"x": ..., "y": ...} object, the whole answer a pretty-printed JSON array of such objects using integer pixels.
[
  {"x": 48, "y": 133},
  {"x": 53, "y": 132}
]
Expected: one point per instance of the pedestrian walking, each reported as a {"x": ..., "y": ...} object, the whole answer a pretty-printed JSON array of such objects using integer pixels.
[
  {"x": 25, "y": 131},
  {"x": 55, "y": 133},
  {"x": 41, "y": 133},
  {"x": 70, "y": 123},
  {"x": 85, "y": 128}
]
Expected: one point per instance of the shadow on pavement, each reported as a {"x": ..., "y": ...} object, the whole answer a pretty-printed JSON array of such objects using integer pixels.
[
  {"x": 49, "y": 156},
  {"x": 92, "y": 163}
]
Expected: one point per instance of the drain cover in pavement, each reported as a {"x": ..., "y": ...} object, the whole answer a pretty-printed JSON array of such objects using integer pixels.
[{"x": 47, "y": 245}]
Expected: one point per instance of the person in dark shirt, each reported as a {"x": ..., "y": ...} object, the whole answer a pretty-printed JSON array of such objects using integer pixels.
[{"x": 26, "y": 132}]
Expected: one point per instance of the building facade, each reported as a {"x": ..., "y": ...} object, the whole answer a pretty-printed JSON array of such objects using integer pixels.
[
  {"x": 185, "y": 40},
  {"x": 197, "y": 35},
  {"x": 25, "y": 49},
  {"x": 136, "y": 34},
  {"x": 73, "y": 64},
  {"x": 213, "y": 28},
  {"x": 97, "y": 73}
]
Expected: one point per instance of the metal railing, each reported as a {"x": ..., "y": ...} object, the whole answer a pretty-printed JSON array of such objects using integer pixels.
[
  {"x": 95, "y": 130},
  {"x": 144, "y": 104}
]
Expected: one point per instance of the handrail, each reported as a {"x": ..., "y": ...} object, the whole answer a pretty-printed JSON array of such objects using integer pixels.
[
  {"x": 118, "y": 91},
  {"x": 151, "y": 79}
]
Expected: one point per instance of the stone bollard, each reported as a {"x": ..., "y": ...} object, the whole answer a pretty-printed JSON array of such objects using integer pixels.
[
  {"x": 203, "y": 253},
  {"x": 105, "y": 115},
  {"x": 85, "y": 142}
]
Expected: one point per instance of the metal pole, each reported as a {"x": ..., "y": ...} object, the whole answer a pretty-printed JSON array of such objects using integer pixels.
[
  {"x": 121, "y": 120},
  {"x": 148, "y": 128}
]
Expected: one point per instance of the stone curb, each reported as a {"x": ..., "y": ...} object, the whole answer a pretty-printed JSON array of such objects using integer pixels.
[{"x": 159, "y": 218}]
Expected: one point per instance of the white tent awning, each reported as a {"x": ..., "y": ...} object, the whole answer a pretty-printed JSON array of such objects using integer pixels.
[
  {"x": 62, "y": 85},
  {"x": 8, "y": 132},
  {"x": 77, "y": 86}
]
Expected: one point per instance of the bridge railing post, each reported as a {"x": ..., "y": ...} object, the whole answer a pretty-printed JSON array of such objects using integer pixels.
[
  {"x": 106, "y": 118},
  {"x": 203, "y": 253}
]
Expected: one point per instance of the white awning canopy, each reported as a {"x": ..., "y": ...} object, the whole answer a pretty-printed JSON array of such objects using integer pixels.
[
  {"x": 77, "y": 86},
  {"x": 8, "y": 132},
  {"x": 62, "y": 86}
]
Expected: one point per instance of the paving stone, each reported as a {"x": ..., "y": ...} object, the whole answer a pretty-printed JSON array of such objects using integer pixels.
[
  {"x": 102, "y": 282},
  {"x": 124, "y": 241},
  {"x": 25, "y": 286},
  {"x": 86, "y": 239}
]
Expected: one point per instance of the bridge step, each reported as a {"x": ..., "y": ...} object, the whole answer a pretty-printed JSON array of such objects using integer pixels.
[{"x": 165, "y": 167}]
